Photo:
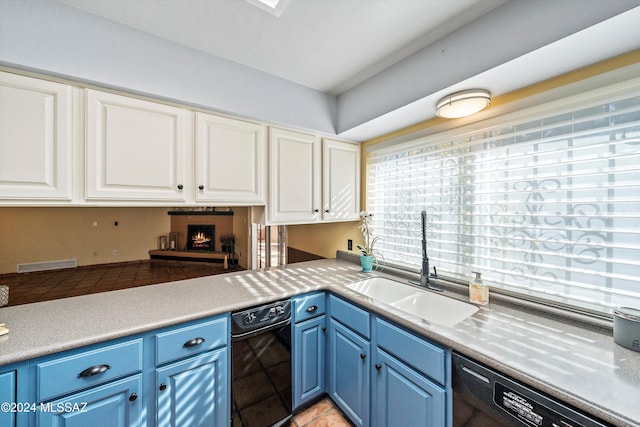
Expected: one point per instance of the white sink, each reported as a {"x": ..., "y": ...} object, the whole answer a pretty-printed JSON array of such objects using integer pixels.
[
  {"x": 427, "y": 305},
  {"x": 381, "y": 289}
]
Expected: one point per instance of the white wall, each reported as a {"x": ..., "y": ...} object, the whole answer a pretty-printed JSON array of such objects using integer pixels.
[{"x": 55, "y": 39}]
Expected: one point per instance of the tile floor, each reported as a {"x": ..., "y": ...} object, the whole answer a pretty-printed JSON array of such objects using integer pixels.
[
  {"x": 322, "y": 414},
  {"x": 26, "y": 288}
]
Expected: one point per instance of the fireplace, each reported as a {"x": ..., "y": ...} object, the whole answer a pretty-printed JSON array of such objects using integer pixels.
[
  {"x": 196, "y": 232},
  {"x": 201, "y": 237}
]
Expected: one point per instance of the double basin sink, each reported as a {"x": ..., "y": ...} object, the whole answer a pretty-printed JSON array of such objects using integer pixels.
[{"x": 422, "y": 303}]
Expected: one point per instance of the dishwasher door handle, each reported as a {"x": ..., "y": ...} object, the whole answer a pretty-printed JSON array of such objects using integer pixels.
[{"x": 475, "y": 374}]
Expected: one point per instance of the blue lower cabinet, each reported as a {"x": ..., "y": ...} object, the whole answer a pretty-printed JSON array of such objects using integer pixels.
[
  {"x": 194, "y": 392},
  {"x": 8, "y": 396},
  {"x": 404, "y": 397},
  {"x": 309, "y": 338},
  {"x": 116, "y": 404},
  {"x": 349, "y": 372}
]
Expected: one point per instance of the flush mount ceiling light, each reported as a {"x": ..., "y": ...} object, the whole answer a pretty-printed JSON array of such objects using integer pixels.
[{"x": 462, "y": 104}]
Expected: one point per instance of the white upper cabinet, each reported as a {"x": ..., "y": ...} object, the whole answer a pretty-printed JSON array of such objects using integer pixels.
[
  {"x": 312, "y": 180},
  {"x": 35, "y": 139},
  {"x": 230, "y": 160},
  {"x": 340, "y": 180},
  {"x": 294, "y": 177},
  {"x": 135, "y": 149},
  {"x": 65, "y": 145}
]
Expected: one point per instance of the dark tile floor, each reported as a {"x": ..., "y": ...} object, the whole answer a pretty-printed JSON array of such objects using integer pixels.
[{"x": 26, "y": 288}]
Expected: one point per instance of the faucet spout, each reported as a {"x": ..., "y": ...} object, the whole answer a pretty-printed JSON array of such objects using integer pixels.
[{"x": 424, "y": 273}]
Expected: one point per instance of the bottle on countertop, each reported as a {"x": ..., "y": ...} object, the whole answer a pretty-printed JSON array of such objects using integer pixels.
[{"x": 478, "y": 291}]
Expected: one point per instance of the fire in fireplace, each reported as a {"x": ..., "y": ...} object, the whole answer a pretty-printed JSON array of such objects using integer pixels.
[{"x": 201, "y": 237}]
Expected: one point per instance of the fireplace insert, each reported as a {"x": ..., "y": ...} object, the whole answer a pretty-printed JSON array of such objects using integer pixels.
[{"x": 201, "y": 237}]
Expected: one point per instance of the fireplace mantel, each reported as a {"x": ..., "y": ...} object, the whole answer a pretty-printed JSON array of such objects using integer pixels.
[{"x": 199, "y": 213}]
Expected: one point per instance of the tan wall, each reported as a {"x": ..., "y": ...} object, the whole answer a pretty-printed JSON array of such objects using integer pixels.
[
  {"x": 49, "y": 234},
  {"x": 324, "y": 239},
  {"x": 242, "y": 230},
  {"x": 33, "y": 234}
]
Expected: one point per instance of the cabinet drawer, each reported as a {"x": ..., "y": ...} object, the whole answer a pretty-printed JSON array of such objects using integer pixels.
[
  {"x": 189, "y": 340},
  {"x": 422, "y": 355},
  {"x": 308, "y": 306},
  {"x": 349, "y": 315},
  {"x": 88, "y": 368}
]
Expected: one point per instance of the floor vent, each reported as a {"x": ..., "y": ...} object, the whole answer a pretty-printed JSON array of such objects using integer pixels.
[{"x": 47, "y": 265}]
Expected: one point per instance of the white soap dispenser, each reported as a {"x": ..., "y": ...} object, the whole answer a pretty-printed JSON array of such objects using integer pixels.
[{"x": 478, "y": 291}]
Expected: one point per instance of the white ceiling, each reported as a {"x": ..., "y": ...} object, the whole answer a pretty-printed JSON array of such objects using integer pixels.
[
  {"x": 328, "y": 45},
  {"x": 386, "y": 62}
]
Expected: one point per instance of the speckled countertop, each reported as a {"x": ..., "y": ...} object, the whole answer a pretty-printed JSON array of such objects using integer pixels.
[{"x": 576, "y": 364}]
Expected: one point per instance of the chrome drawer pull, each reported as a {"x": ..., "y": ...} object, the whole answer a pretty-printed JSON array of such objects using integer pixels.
[
  {"x": 194, "y": 342},
  {"x": 94, "y": 370},
  {"x": 312, "y": 308}
]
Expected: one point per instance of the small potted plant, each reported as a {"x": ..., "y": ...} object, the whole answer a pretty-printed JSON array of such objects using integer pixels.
[{"x": 367, "y": 252}]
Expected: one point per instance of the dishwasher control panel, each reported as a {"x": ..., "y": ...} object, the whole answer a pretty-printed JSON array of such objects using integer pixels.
[{"x": 260, "y": 318}]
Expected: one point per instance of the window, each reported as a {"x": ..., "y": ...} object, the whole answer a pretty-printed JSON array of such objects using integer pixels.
[{"x": 544, "y": 202}]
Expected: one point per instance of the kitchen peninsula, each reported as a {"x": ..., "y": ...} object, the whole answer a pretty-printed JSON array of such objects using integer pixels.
[{"x": 561, "y": 359}]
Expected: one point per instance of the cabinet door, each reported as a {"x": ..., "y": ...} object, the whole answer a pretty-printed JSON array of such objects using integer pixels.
[
  {"x": 35, "y": 139},
  {"x": 294, "y": 171},
  {"x": 194, "y": 392},
  {"x": 349, "y": 376},
  {"x": 8, "y": 395},
  {"x": 403, "y": 397},
  {"x": 230, "y": 159},
  {"x": 115, "y": 404},
  {"x": 135, "y": 149},
  {"x": 340, "y": 181},
  {"x": 308, "y": 360}
]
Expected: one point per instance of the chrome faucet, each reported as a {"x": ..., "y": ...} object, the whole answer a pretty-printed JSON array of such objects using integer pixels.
[{"x": 424, "y": 272}]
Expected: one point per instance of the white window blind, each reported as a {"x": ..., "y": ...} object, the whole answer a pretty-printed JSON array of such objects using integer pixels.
[{"x": 546, "y": 203}]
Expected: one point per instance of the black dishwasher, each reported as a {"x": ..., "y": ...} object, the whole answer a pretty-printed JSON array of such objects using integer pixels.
[
  {"x": 483, "y": 397},
  {"x": 261, "y": 365}
]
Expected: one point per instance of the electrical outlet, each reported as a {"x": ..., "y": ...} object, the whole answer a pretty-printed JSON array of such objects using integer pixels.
[
  {"x": 95, "y": 223},
  {"x": 115, "y": 252},
  {"x": 350, "y": 244}
]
